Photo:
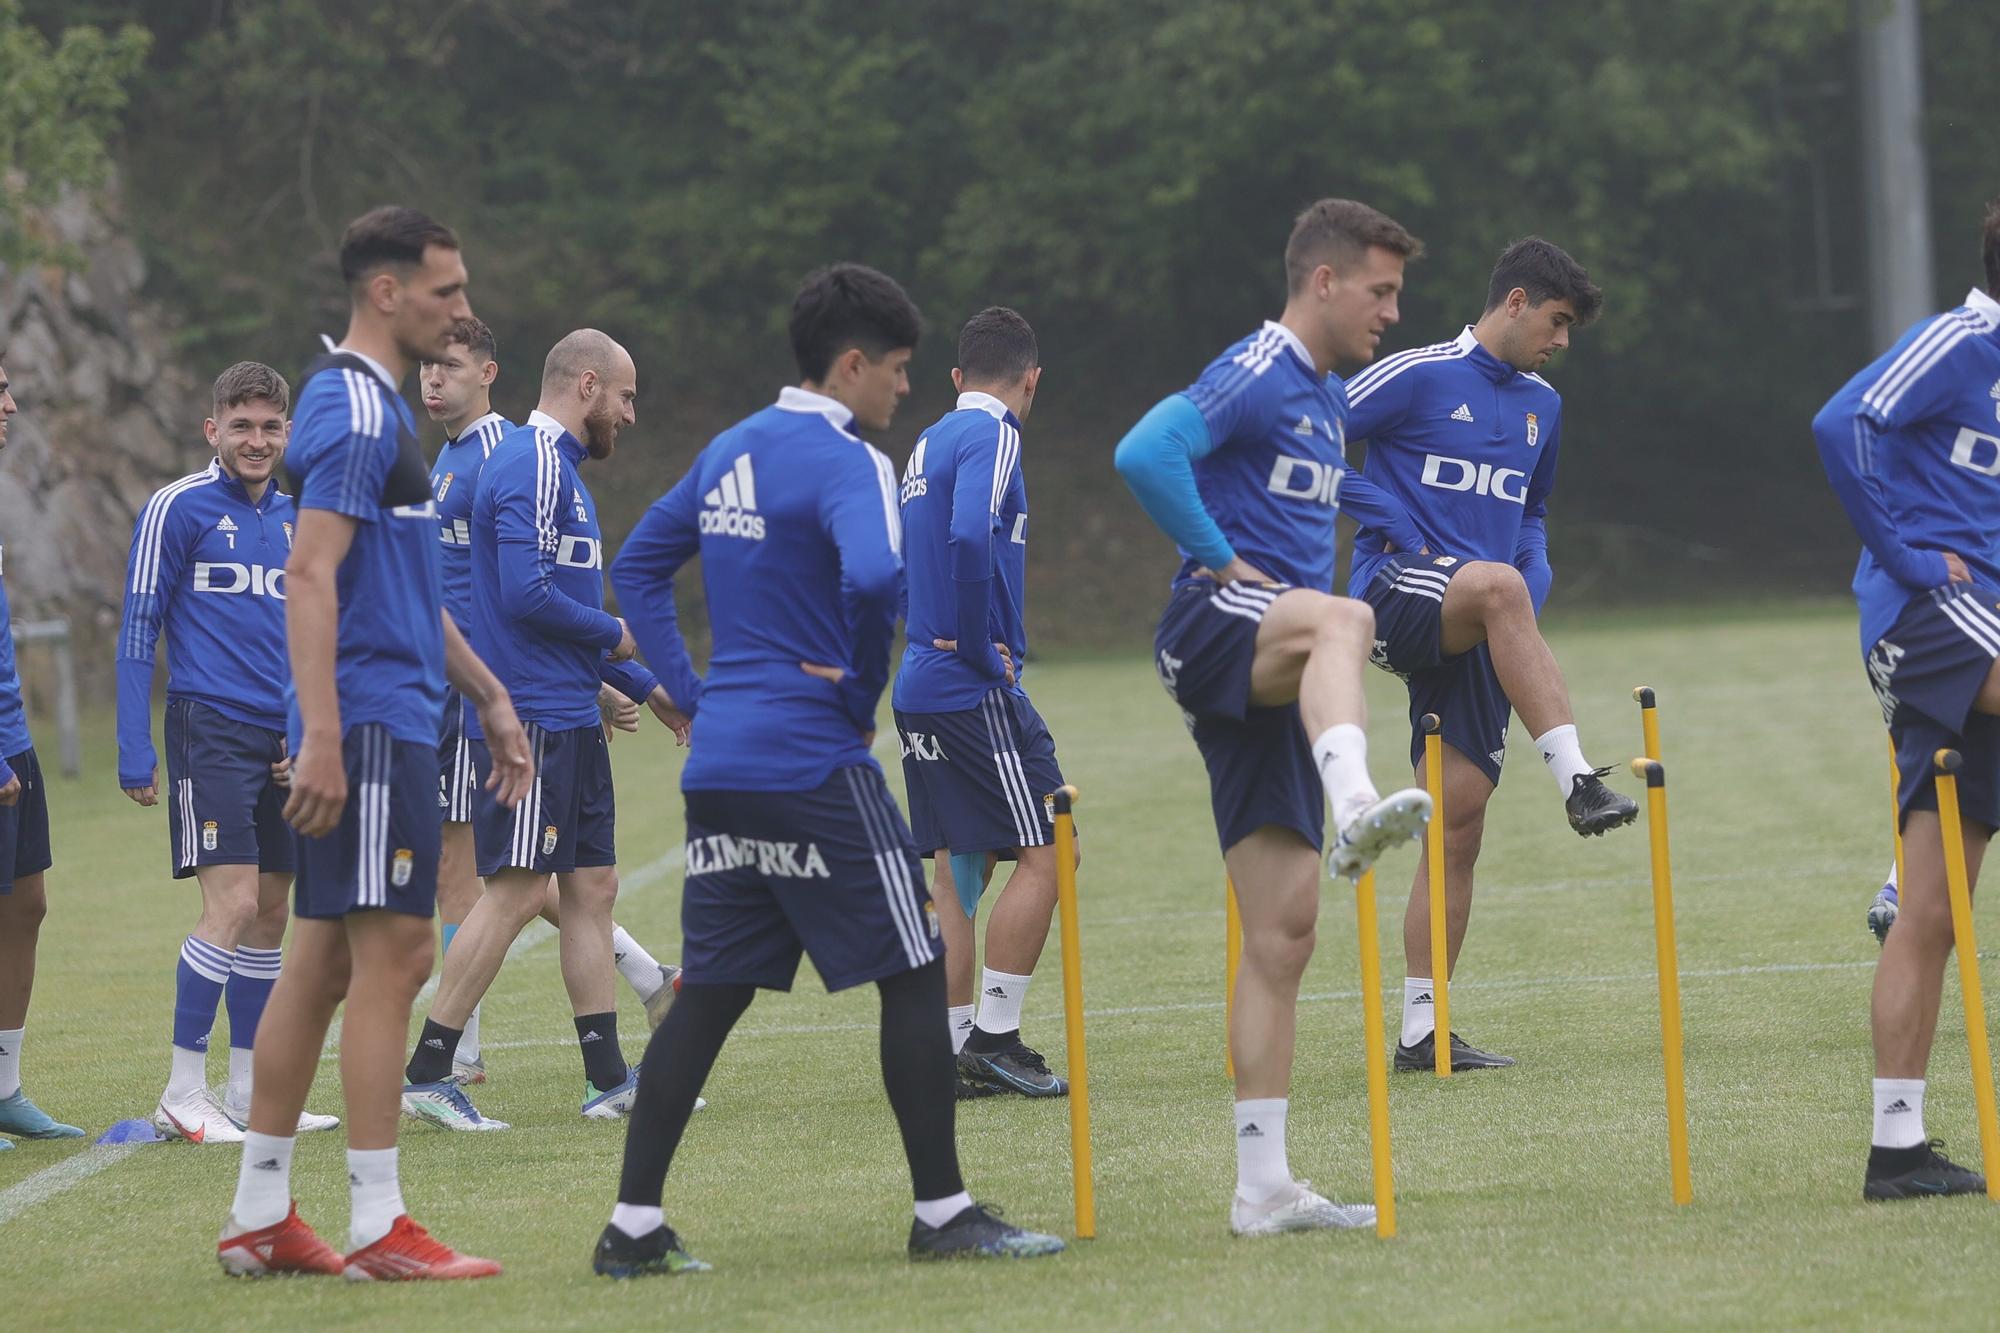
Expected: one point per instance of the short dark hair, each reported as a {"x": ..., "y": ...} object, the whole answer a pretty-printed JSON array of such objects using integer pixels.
[
  {"x": 1340, "y": 231},
  {"x": 1545, "y": 273},
  {"x": 250, "y": 381},
  {"x": 1989, "y": 249},
  {"x": 472, "y": 334},
  {"x": 850, "y": 305},
  {"x": 996, "y": 346},
  {"x": 387, "y": 237}
]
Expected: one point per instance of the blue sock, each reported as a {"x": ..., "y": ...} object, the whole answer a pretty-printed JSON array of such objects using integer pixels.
[
  {"x": 448, "y": 932},
  {"x": 250, "y": 982},
  {"x": 198, "y": 983}
]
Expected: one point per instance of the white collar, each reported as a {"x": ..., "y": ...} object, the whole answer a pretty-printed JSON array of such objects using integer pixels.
[
  {"x": 985, "y": 402},
  {"x": 1984, "y": 306},
  {"x": 472, "y": 427},
  {"x": 1293, "y": 341},
  {"x": 1465, "y": 341},
  {"x": 792, "y": 398},
  {"x": 541, "y": 420},
  {"x": 381, "y": 371}
]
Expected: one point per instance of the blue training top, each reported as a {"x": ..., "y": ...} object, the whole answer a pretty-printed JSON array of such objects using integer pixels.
[
  {"x": 13, "y": 717},
  {"x": 965, "y": 554},
  {"x": 454, "y": 483},
  {"x": 795, "y": 520}
]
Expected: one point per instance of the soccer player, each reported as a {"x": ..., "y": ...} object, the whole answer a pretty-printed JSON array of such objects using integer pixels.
[
  {"x": 207, "y": 569},
  {"x": 978, "y": 761},
  {"x": 1453, "y": 555},
  {"x": 538, "y": 616},
  {"x": 457, "y": 391},
  {"x": 794, "y": 842},
  {"x": 1243, "y": 470},
  {"x": 371, "y": 650},
  {"x": 24, "y": 855},
  {"x": 1912, "y": 447}
]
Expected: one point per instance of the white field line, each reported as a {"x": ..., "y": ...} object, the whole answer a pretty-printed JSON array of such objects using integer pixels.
[{"x": 63, "y": 1176}]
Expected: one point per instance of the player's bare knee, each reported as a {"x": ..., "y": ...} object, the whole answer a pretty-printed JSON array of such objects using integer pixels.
[
  {"x": 22, "y": 913},
  {"x": 1281, "y": 950},
  {"x": 1343, "y": 621},
  {"x": 1498, "y": 589}
]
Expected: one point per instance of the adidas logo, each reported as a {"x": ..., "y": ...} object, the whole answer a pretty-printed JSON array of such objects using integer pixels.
[
  {"x": 353, "y": 1179},
  {"x": 435, "y": 1043},
  {"x": 732, "y": 505},
  {"x": 1464, "y": 413},
  {"x": 268, "y": 1164},
  {"x": 1897, "y": 1107},
  {"x": 1995, "y": 390},
  {"x": 997, "y": 992},
  {"x": 1425, "y": 998},
  {"x": 1250, "y": 1131},
  {"x": 1497, "y": 756},
  {"x": 588, "y": 1038},
  {"x": 3, "y": 1050},
  {"x": 1305, "y": 426},
  {"x": 617, "y": 956},
  {"x": 225, "y": 524}
]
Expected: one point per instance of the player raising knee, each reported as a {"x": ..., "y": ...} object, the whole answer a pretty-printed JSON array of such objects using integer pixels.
[
  {"x": 538, "y": 617},
  {"x": 794, "y": 842},
  {"x": 24, "y": 857},
  {"x": 978, "y": 761},
  {"x": 1912, "y": 448},
  {"x": 1243, "y": 471},
  {"x": 457, "y": 391},
  {"x": 370, "y": 650},
  {"x": 207, "y": 569},
  {"x": 1452, "y": 554}
]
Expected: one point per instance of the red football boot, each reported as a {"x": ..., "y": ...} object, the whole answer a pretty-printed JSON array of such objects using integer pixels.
[
  {"x": 285, "y": 1247},
  {"x": 409, "y": 1253}
]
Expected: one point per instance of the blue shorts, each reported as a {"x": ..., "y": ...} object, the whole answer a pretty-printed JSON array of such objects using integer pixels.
[
  {"x": 463, "y": 761},
  {"x": 830, "y": 872},
  {"x": 981, "y": 780},
  {"x": 1407, "y": 595},
  {"x": 223, "y": 807},
  {"x": 564, "y": 822},
  {"x": 1260, "y": 765},
  {"x": 24, "y": 825},
  {"x": 1926, "y": 672},
  {"x": 384, "y": 854}
]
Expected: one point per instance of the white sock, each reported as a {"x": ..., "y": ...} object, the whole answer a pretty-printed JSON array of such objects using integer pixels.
[
  {"x": 263, "y": 1181},
  {"x": 640, "y": 969},
  {"x": 1261, "y": 1169},
  {"x": 1899, "y": 1112},
  {"x": 241, "y": 1059},
  {"x": 468, "y": 1040},
  {"x": 189, "y": 1074},
  {"x": 637, "y": 1219},
  {"x": 1419, "y": 1015},
  {"x": 377, "y": 1194},
  {"x": 960, "y": 1018},
  {"x": 1889, "y": 880},
  {"x": 937, "y": 1212},
  {"x": 1341, "y": 751},
  {"x": 1563, "y": 753},
  {"x": 10, "y": 1060},
  {"x": 1000, "y": 997}
]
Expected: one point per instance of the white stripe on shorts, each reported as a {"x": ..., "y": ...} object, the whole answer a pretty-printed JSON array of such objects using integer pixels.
[
  {"x": 897, "y": 891},
  {"x": 1007, "y": 763},
  {"x": 1983, "y": 635}
]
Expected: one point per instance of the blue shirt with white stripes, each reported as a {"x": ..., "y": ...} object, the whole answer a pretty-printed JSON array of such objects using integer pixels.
[
  {"x": 538, "y": 616},
  {"x": 1912, "y": 447},
  {"x": 13, "y": 717},
  {"x": 454, "y": 482},
  {"x": 354, "y": 452},
  {"x": 1461, "y": 460},
  {"x": 965, "y": 553},
  {"x": 207, "y": 569},
  {"x": 795, "y": 520},
  {"x": 1271, "y": 478}
]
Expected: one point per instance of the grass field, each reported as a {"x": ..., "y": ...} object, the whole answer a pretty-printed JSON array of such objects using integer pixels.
[{"x": 1534, "y": 1197}]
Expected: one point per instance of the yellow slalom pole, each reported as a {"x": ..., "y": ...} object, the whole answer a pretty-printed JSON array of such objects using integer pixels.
[
  {"x": 1655, "y": 775},
  {"x": 1232, "y": 959},
  {"x": 1377, "y": 1054},
  {"x": 1434, "y": 857},
  {"x": 1960, "y": 886},
  {"x": 1896, "y": 810},
  {"x": 1079, "y": 1060},
  {"x": 1649, "y": 720}
]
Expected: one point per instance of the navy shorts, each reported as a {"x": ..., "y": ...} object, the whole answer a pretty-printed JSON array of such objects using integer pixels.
[
  {"x": 1407, "y": 595},
  {"x": 981, "y": 780},
  {"x": 223, "y": 807},
  {"x": 24, "y": 825},
  {"x": 564, "y": 822},
  {"x": 1260, "y": 765},
  {"x": 1926, "y": 672},
  {"x": 830, "y": 872},
  {"x": 384, "y": 854},
  {"x": 463, "y": 761}
]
